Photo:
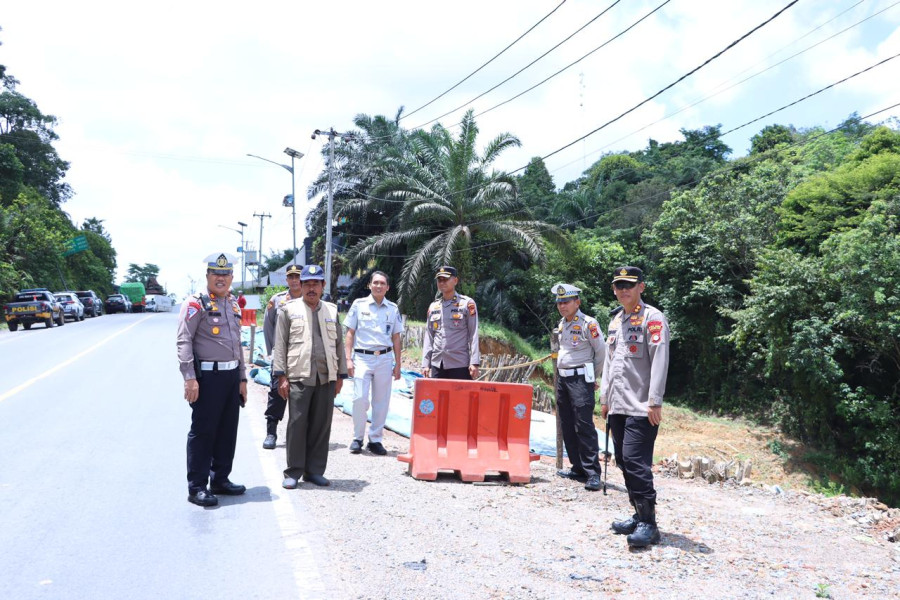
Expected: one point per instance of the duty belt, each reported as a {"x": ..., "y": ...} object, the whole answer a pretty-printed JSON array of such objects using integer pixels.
[
  {"x": 218, "y": 365},
  {"x": 375, "y": 352},
  {"x": 570, "y": 372}
]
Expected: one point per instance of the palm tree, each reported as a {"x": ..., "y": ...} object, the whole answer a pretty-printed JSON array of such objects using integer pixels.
[{"x": 449, "y": 207}]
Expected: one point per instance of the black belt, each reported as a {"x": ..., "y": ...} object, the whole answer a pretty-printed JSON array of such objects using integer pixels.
[{"x": 375, "y": 352}]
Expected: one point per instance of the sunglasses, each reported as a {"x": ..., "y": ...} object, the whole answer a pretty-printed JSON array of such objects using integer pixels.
[{"x": 624, "y": 285}]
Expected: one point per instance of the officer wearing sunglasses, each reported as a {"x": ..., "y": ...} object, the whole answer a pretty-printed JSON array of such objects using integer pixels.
[{"x": 631, "y": 395}]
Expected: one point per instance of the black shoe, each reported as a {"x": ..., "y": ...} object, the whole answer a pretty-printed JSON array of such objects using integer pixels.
[
  {"x": 355, "y": 446},
  {"x": 593, "y": 483},
  {"x": 376, "y": 448},
  {"x": 289, "y": 483},
  {"x": 576, "y": 475},
  {"x": 226, "y": 488},
  {"x": 318, "y": 480},
  {"x": 269, "y": 443},
  {"x": 202, "y": 498},
  {"x": 625, "y": 527},
  {"x": 644, "y": 535},
  {"x": 646, "y": 532}
]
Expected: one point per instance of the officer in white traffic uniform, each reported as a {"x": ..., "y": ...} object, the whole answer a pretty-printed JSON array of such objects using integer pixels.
[
  {"x": 579, "y": 365},
  {"x": 372, "y": 346}
]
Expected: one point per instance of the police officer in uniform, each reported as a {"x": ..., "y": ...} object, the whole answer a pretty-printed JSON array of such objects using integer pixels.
[
  {"x": 373, "y": 327},
  {"x": 211, "y": 360},
  {"x": 276, "y": 404},
  {"x": 579, "y": 365},
  {"x": 634, "y": 381},
  {"x": 450, "y": 349},
  {"x": 310, "y": 366}
]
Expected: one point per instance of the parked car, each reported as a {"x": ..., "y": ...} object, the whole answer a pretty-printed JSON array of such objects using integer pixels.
[
  {"x": 117, "y": 303},
  {"x": 93, "y": 306},
  {"x": 71, "y": 304},
  {"x": 33, "y": 306},
  {"x": 157, "y": 303}
]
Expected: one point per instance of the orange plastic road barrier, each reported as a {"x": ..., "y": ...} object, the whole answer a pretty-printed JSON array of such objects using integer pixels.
[
  {"x": 248, "y": 316},
  {"x": 471, "y": 427}
]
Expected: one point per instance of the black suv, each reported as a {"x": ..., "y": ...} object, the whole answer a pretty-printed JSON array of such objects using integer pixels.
[
  {"x": 117, "y": 303},
  {"x": 93, "y": 305}
]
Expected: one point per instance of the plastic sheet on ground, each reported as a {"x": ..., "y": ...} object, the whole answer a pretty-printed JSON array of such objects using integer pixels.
[
  {"x": 259, "y": 342},
  {"x": 399, "y": 420},
  {"x": 261, "y": 376}
]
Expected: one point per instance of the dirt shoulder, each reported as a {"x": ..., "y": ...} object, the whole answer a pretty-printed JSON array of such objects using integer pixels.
[{"x": 391, "y": 536}]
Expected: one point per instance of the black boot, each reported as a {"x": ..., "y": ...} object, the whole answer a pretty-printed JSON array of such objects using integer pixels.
[
  {"x": 271, "y": 436},
  {"x": 645, "y": 533},
  {"x": 628, "y": 525}
]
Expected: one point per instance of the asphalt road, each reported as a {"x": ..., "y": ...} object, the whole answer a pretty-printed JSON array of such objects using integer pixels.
[{"x": 93, "y": 495}]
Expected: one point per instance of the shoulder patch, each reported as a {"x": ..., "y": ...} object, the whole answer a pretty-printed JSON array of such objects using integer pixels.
[
  {"x": 192, "y": 309},
  {"x": 472, "y": 309},
  {"x": 595, "y": 331}
]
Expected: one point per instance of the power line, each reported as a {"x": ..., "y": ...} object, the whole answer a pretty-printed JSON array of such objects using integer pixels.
[
  {"x": 573, "y": 34},
  {"x": 746, "y": 79},
  {"x": 673, "y": 84},
  {"x": 464, "y": 79},
  {"x": 572, "y": 64}
]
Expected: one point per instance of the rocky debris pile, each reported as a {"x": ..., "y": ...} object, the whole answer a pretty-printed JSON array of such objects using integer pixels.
[
  {"x": 867, "y": 513},
  {"x": 707, "y": 469}
]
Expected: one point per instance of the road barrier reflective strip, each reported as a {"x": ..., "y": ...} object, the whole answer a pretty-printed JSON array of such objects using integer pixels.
[{"x": 31, "y": 382}]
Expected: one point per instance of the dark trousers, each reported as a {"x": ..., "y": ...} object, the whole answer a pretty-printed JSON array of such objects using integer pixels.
[
  {"x": 633, "y": 440},
  {"x": 459, "y": 373},
  {"x": 274, "y": 407},
  {"x": 575, "y": 410},
  {"x": 214, "y": 426},
  {"x": 309, "y": 428}
]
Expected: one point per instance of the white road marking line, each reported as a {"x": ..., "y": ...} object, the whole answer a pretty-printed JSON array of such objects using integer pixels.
[
  {"x": 50, "y": 372},
  {"x": 293, "y": 532}
]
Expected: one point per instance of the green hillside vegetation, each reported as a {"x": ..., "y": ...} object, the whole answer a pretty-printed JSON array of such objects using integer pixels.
[
  {"x": 779, "y": 271},
  {"x": 34, "y": 229}
]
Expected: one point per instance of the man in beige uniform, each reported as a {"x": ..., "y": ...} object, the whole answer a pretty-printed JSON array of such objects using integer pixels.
[
  {"x": 450, "y": 349},
  {"x": 579, "y": 365},
  {"x": 308, "y": 360},
  {"x": 215, "y": 384},
  {"x": 634, "y": 381}
]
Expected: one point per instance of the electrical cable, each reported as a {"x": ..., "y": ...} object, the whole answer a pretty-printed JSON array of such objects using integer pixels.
[
  {"x": 607, "y": 9},
  {"x": 464, "y": 79}
]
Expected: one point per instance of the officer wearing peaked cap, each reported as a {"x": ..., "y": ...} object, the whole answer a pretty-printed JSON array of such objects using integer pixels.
[
  {"x": 634, "y": 381},
  {"x": 276, "y": 404},
  {"x": 211, "y": 360},
  {"x": 579, "y": 365},
  {"x": 450, "y": 348}
]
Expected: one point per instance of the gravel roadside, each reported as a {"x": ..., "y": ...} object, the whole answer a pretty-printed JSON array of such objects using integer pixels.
[{"x": 391, "y": 536}]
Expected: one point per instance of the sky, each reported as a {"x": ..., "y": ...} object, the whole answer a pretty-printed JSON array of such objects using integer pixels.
[{"x": 159, "y": 104}]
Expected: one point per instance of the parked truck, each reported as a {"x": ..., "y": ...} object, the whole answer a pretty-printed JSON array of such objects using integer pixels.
[
  {"x": 135, "y": 292},
  {"x": 33, "y": 306}
]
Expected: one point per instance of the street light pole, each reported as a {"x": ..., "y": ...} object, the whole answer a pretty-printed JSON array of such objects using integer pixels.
[
  {"x": 243, "y": 256},
  {"x": 330, "y": 216},
  {"x": 290, "y": 169}
]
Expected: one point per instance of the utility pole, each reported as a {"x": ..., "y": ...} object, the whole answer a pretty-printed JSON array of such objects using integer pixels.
[
  {"x": 259, "y": 257},
  {"x": 331, "y": 133},
  {"x": 243, "y": 255}
]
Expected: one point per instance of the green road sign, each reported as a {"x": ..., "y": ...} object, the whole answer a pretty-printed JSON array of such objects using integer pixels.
[{"x": 75, "y": 245}]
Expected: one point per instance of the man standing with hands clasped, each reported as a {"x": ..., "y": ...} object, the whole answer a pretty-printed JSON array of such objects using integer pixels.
[
  {"x": 211, "y": 360},
  {"x": 373, "y": 356},
  {"x": 634, "y": 381},
  {"x": 309, "y": 363},
  {"x": 450, "y": 349},
  {"x": 579, "y": 364}
]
